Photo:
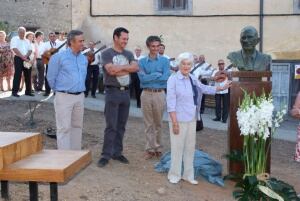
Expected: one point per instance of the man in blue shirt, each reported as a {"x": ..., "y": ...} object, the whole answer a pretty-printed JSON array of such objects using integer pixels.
[
  {"x": 154, "y": 73},
  {"x": 66, "y": 76}
]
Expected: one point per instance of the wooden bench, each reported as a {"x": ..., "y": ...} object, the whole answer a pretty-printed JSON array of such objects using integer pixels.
[
  {"x": 210, "y": 101},
  {"x": 24, "y": 160}
]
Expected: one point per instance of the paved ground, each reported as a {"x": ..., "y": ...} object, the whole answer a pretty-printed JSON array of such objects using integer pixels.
[{"x": 286, "y": 132}]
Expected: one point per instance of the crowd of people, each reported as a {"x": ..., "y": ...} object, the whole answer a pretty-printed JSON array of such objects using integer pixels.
[
  {"x": 67, "y": 67},
  {"x": 22, "y": 60}
]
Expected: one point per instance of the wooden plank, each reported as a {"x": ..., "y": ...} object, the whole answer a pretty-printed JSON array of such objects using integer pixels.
[
  {"x": 15, "y": 146},
  {"x": 210, "y": 101},
  {"x": 47, "y": 166},
  {"x": 7, "y": 138},
  {"x": 251, "y": 74}
]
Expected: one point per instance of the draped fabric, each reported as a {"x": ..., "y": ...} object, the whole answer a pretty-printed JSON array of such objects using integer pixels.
[{"x": 204, "y": 166}]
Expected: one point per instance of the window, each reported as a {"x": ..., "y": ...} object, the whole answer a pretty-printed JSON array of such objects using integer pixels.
[
  {"x": 173, "y": 7},
  {"x": 173, "y": 4}
]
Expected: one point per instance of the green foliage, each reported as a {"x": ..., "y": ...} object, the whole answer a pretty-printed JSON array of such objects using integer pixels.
[
  {"x": 248, "y": 189},
  {"x": 161, "y": 38},
  {"x": 4, "y": 26},
  {"x": 235, "y": 155},
  {"x": 286, "y": 191}
]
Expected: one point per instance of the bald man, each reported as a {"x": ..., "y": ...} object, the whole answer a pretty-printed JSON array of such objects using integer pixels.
[{"x": 22, "y": 49}]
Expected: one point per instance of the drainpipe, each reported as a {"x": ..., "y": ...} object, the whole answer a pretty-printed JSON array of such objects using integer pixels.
[{"x": 261, "y": 25}]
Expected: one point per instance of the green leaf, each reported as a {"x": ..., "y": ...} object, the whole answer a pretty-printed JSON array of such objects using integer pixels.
[
  {"x": 235, "y": 155},
  {"x": 270, "y": 193},
  {"x": 252, "y": 180},
  {"x": 283, "y": 189}
]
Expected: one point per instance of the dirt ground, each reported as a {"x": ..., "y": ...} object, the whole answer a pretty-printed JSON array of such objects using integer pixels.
[{"x": 137, "y": 181}]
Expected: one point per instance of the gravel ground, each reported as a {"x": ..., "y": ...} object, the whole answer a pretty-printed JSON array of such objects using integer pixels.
[{"x": 138, "y": 180}]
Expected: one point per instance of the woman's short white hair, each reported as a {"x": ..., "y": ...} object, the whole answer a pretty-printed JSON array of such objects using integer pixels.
[{"x": 185, "y": 56}]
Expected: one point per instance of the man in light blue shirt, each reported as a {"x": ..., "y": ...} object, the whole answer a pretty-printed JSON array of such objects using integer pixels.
[
  {"x": 154, "y": 73},
  {"x": 66, "y": 76},
  {"x": 67, "y": 71}
]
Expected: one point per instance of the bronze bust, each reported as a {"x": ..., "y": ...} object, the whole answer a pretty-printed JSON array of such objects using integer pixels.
[{"x": 248, "y": 58}]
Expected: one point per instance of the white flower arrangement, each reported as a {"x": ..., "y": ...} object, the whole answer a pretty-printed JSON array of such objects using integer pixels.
[{"x": 257, "y": 121}]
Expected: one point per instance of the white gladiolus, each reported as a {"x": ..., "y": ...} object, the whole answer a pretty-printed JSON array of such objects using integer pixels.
[{"x": 258, "y": 119}]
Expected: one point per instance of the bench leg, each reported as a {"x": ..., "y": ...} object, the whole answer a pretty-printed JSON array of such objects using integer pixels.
[
  {"x": 4, "y": 189},
  {"x": 53, "y": 192},
  {"x": 33, "y": 191}
]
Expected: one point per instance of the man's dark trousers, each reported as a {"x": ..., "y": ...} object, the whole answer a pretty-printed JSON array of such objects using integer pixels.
[
  {"x": 205, "y": 82},
  {"x": 47, "y": 86},
  {"x": 135, "y": 86},
  {"x": 222, "y": 103},
  {"x": 39, "y": 78},
  {"x": 117, "y": 103},
  {"x": 19, "y": 68},
  {"x": 92, "y": 75}
]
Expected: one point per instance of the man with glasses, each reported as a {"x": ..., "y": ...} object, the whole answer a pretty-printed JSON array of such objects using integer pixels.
[{"x": 222, "y": 97}]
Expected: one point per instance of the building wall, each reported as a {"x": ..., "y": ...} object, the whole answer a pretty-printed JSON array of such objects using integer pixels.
[
  {"x": 212, "y": 36},
  {"x": 46, "y": 15}
]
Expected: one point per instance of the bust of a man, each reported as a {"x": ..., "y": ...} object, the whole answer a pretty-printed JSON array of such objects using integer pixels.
[{"x": 248, "y": 58}]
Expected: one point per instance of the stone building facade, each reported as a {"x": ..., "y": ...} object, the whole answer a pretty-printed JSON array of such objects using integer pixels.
[
  {"x": 45, "y": 15},
  {"x": 204, "y": 27}
]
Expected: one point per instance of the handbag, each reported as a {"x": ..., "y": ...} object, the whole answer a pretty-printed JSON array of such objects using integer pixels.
[{"x": 199, "y": 124}]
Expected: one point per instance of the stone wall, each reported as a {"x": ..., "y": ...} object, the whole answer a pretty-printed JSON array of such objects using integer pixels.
[{"x": 45, "y": 15}]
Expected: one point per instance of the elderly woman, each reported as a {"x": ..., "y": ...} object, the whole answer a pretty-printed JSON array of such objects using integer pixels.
[
  {"x": 183, "y": 104},
  {"x": 6, "y": 61},
  {"x": 32, "y": 63},
  {"x": 295, "y": 112}
]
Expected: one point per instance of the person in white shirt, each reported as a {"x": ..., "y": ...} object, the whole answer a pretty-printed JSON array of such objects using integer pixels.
[
  {"x": 135, "y": 81},
  {"x": 47, "y": 46},
  {"x": 222, "y": 97},
  {"x": 61, "y": 39},
  {"x": 196, "y": 61},
  {"x": 22, "y": 49},
  {"x": 92, "y": 71},
  {"x": 161, "y": 51},
  {"x": 203, "y": 72},
  {"x": 173, "y": 63},
  {"x": 38, "y": 79}
]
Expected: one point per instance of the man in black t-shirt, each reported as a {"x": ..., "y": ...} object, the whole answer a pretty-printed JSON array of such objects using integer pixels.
[{"x": 117, "y": 63}]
